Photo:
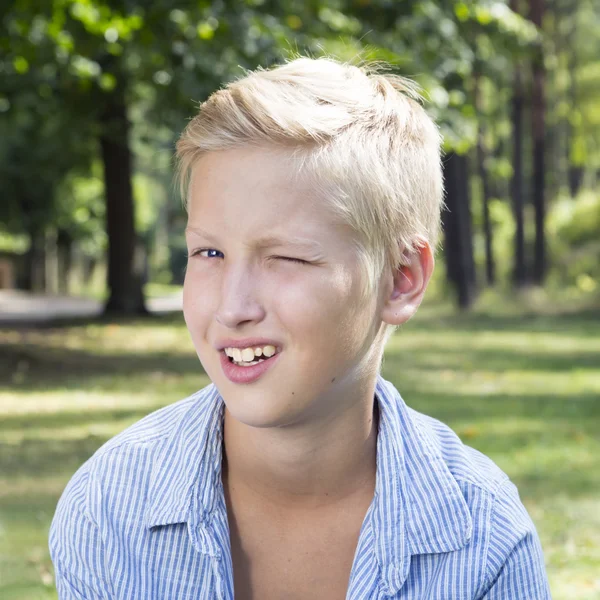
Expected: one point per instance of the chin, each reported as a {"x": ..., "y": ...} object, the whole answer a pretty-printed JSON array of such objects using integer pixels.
[
  {"x": 255, "y": 408},
  {"x": 260, "y": 417}
]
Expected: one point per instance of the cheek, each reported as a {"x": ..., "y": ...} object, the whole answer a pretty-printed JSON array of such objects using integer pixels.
[
  {"x": 198, "y": 300},
  {"x": 320, "y": 307},
  {"x": 189, "y": 297},
  {"x": 343, "y": 317}
]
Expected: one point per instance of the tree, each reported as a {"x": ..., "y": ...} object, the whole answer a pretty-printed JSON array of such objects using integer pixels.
[
  {"x": 516, "y": 187},
  {"x": 40, "y": 145},
  {"x": 458, "y": 43},
  {"x": 538, "y": 135},
  {"x": 124, "y": 279},
  {"x": 119, "y": 66},
  {"x": 481, "y": 159},
  {"x": 102, "y": 57},
  {"x": 456, "y": 220}
]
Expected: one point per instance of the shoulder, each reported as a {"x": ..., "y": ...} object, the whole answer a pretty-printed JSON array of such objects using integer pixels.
[
  {"x": 477, "y": 475},
  {"x": 123, "y": 464},
  {"x": 102, "y": 508},
  {"x": 503, "y": 533},
  {"x": 158, "y": 424},
  {"x": 467, "y": 465}
]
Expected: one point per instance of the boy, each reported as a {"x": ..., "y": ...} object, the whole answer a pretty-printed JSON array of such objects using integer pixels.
[{"x": 314, "y": 193}]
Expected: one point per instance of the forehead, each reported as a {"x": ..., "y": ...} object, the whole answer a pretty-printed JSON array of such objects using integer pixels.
[{"x": 251, "y": 192}]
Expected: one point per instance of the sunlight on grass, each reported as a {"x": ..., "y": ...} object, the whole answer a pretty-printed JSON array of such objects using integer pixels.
[
  {"x": 113, "y": 338},
  {"x": 57, "y": 401},
  {"x": 525, "y": 390},
  {"x": 20, "y": 486},
  {"x": 522, "y": 343},
  {"x": 112, "y": 394},
  {"x": 100, "y": 429}
]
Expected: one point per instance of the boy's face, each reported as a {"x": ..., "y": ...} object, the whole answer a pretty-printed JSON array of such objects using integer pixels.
[{"x": 240, "y": 288}]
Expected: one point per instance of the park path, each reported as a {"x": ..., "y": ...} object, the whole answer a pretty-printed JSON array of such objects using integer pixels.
[{"x": 18, "y": 307}]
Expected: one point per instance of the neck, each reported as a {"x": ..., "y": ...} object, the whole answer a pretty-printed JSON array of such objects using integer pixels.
[{"x": 311, "y": 464}]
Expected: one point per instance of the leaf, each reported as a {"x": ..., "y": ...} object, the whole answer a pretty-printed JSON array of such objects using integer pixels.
[{"x": 21, "y": 65}]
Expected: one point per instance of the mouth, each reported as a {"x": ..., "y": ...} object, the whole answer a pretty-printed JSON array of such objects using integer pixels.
[
  {"x": 262, "y": 355},
  {"x": 241, "y": 371}
]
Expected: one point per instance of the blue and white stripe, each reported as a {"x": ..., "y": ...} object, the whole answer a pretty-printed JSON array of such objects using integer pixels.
[{"x": 145, "y": 517}]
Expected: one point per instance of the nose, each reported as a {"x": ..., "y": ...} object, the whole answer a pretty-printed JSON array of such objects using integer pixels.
[{"x": 239, "y": 302}]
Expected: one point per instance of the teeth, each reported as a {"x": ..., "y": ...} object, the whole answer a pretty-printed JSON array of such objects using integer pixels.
[
  {"x": 249, "y": 364},
  {"x": 248, "y": 354}
]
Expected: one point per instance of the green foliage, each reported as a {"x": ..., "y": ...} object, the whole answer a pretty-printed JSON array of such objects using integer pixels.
[
  {"x": 504, "y": 230},
  {"x": 17, "y": 244},
  {"x": 81, "y": 211},
  {"x": 577, "y": 221},
  {"x": 572, "y": 51},
  {"x": 574, "y": 226},
  {"x": 62, "y": 62},
  {"x": 442, "y": 44},
  {"x": 60, "y": 65}
]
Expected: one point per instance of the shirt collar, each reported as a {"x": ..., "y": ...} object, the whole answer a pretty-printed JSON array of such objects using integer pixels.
[
  {"x": 413, "y": 486},
  {"x": 186, "y": 471},
  {"x": 414, "y": 489}
]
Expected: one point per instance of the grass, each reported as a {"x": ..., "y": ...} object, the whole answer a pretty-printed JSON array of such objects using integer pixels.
[{"x": 524, "y": 388}]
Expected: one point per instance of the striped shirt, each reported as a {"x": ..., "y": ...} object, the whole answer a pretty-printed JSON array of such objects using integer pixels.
[{"x": 145, "y": 517}]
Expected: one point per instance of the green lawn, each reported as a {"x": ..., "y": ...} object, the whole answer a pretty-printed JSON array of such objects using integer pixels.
[{"x": 524, "y": 389}]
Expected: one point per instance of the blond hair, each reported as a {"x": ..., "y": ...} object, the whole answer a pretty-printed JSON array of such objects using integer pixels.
[{"x": 361, "y": 135}]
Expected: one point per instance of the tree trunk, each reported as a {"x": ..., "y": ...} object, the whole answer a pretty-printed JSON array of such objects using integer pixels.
[
  {"x": 64, "y": 243},
  {"x": 556, "y": 133},
  {"x": 575, "y": 179},
  {"x": 575, "y": 171},
  {"x": 538, "y": 136},
  {"x": 516, "y": 184},
  {"x": 464, "y": 190},
  {"x": 89, "y": 267},
  {"x": 456, "y": 221},
  {"x": 124, "y": 282},
  {"x": 490, "y": 267},
  {"x": 500, "y": 187},
  {"x": 35, "y": 263}
]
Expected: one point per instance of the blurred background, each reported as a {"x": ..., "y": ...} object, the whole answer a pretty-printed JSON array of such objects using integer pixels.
[{"x": 506, "y": 349}]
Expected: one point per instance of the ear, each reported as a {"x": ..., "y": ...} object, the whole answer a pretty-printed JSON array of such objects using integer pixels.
[{"x": 407, "y": 284}]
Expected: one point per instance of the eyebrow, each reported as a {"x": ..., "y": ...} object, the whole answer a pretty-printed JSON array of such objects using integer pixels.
[{"x": 269, "y": 241}]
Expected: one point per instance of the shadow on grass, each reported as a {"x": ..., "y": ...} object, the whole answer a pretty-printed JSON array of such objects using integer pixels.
[
  {"x": 62, "y": 419},
  {"x": 29, "y": 367},
  {"x": 585, "y": 323},
  {"x": 539, "y": 485},
  {"x": 583, "y": 411},
  {"x": 33, "y": 458},
  {"x": 39, "y": 507},
  {"x": 495, "y": 360},
  {"x": 156, "y": 319}
]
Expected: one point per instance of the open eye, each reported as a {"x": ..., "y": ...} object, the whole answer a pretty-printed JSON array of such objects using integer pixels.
[{"x": 210, "y": 253}]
